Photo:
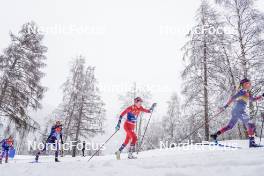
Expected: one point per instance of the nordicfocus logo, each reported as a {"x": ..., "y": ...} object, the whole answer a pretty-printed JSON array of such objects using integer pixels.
[
  {"x": 204, "y": 145},
  {"x": 71, "y": 29},
  {"x": 66, "y": 146}
]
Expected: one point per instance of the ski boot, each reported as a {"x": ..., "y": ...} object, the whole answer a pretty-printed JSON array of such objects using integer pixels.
[
  {"x": 37, "y": 157},
  {"x": 131, "y": 156},
  {"x": 57, "y": 160},
  {"x": 117, "y": 153},
  {"x": 215, "y": 135},
  {"x": 56, "y": 156},
  {"x": 131, "y": 151},
  {"x": 252, "y": 143}
]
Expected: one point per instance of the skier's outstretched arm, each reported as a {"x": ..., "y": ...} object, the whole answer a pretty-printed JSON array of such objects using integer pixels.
[
  {"x": 145, "y": 110},
  {"x": 230, "y": 101},
  {"x": 233, "y": 98},
  {"x": 150, "y": 110},
  {"x": 257, "y": 98}
]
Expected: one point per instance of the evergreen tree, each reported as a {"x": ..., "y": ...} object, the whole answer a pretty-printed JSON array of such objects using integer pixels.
[
  {"x": 21, "y": 74},
  {"x": 82, "y": 108}
]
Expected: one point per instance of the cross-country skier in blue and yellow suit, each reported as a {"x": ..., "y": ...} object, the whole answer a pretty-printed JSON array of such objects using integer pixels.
[
  {"x": 132, "y": 113},
  {"x": 7, "y": 144},
  {"x": 54, "y": 138},
  {"x": 241, "y": 99}
]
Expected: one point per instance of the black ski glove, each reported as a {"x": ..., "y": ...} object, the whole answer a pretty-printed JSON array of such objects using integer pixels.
[
  {"x": 152, "y": 107},
  {"x": 226, "y": 106}
]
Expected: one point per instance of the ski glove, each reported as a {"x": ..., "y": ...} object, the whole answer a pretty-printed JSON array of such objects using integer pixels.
[
  {"x": 152, "y": 107},
  {"x": 117, "y": 127},
  {"x": 118, "y": 124},
  {"x": 263, "y": 95},
  {"x": 226, "y": 106},
  {"x": 223, "y": 108}
]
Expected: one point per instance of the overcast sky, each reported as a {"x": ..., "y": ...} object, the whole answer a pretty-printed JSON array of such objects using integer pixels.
[{"x": 127, "y": 41}]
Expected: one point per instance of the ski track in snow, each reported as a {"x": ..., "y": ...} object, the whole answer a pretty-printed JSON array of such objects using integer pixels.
[{"x": 168, "y": 162}]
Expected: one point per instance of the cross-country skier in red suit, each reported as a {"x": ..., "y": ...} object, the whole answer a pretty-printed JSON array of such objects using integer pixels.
[{"x": 132, "y": 113}]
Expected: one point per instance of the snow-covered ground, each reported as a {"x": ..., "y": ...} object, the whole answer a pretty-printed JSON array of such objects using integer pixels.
[{"x": 199, "y": 161}]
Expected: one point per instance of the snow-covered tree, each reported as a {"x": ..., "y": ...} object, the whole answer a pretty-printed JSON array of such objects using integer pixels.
[
  {"x": 200, "y": 55},
  {"x": 21, "y": 90},
  {"x": 20, "y": 75},
  {"x": 217, "y": 62},
  {"x": 172, "y": 121},
  {"x": 246, "y": 29},
  {"x": 82, "y": 108}
]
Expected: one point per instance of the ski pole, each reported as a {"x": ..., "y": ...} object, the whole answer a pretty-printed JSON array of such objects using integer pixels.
[
  {"x": 139, "y": 148},
  {"x": 152, "y": 107},
  {"x": 102, "y": 145},
  {"x": 141, "y": 142},
  {"x": 262, "y": 115},
  {"x": 213, "y": 117}
]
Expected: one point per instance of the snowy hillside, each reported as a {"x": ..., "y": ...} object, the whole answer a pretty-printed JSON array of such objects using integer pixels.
[{"x": 202, "y": 161}]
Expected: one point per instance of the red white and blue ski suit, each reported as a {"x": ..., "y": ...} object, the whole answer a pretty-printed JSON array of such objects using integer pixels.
[
  {"x": 6, "y": 145},
  {"x": 129, "y": 126},
  {"x": 53, "y": 139},
  {"x": 241, "y": 99}
]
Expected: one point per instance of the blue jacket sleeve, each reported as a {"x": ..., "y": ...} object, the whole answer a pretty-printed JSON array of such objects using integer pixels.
[
  {"x": 239, "y": 94},
  {"x": 51, "y": 131}
]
